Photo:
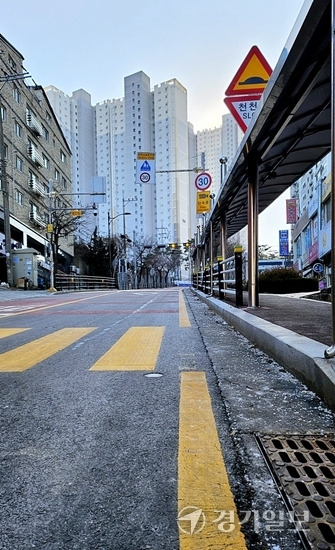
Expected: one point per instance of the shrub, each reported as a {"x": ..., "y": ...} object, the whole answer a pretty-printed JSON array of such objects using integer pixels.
[
  {"x": 283, "y": 281},
  {"x": 279, "y": 273}
]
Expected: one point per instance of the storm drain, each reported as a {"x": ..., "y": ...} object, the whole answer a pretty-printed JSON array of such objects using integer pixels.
[{"x": 304, "y": 470}]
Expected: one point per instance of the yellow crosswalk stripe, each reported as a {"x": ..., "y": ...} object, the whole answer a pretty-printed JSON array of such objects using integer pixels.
[
  {"x": 184, "y": 320},
  {"x": 4, "y": 332},
  {"x": 207, "y": 516},
  {"x": 137, "y": 349},
  {"x": 26, "y": 356}
]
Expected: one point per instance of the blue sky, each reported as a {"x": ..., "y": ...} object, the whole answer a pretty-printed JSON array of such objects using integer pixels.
[{"x": 93, "y": 45}]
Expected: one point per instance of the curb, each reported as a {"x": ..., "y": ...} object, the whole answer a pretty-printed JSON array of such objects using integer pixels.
[{"x": 301, "y": 356}]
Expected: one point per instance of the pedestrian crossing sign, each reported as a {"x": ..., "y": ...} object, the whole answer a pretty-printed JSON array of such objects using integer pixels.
[{"x": 145, "y": 168}]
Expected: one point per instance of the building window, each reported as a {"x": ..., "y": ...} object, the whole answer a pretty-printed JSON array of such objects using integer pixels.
[
  {"x": 18, "y": 129},
  {"x": 18, "y": 197},
  {"x": 45, "y": 133},
  {"x": 57, "y": 175},
  {"x": 3, "y": 113},
  {"x": 46, "y": 162},
  {"x": 19, "y": 163},
  {"x": 62, "y": 157},
  {"x": 11, "y": 62},
  {"x": 16, "y": 94}
]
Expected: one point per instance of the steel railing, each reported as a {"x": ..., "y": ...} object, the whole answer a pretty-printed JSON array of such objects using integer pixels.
[
  {"x": 83, "y": 282},
  {"x": 222, "y": 278}
]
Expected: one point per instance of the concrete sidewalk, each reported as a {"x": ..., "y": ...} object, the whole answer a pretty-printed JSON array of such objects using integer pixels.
[{"x": 294, "y": 331}]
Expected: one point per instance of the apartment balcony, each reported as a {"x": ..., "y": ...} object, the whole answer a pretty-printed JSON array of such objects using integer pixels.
[
  {"x": 34, "y": 155},
  {"x": 37, "y": 220},
  {"x": 34, "y": 125},
  {"x": 36, "y": 187}
]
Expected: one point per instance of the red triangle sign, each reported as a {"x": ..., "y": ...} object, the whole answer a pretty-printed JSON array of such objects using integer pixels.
[{"x": 242, "y": 108}]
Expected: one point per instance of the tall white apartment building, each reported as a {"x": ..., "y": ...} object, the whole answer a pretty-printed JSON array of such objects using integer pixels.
[
  {"x": 213, "y": 145},
  {"x": 209, "y": 147},
  {"x": 76, "y": 118},
  {"x": 232, "y": 136},
  {"x": 216, "y": 143},
  {"x": 105, "y": 141},
  {"x": 171, "y": 132}
]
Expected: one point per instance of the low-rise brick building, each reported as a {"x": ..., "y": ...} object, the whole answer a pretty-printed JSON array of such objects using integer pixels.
[{"x": 37, "y": 161}]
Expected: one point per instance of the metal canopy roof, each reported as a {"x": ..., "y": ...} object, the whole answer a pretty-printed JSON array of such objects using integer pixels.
[{"x": 291, "y": 130}]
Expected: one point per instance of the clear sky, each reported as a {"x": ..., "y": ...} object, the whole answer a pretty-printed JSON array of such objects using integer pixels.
[{"x": 93, "y": 45}]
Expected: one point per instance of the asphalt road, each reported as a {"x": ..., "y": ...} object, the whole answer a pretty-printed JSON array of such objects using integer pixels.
[{"x": 122, "y": 413}]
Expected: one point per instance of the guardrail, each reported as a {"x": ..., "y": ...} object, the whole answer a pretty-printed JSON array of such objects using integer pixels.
[
  {"x": 83, "y": 282},
  {"x": 222, "y": 277}
]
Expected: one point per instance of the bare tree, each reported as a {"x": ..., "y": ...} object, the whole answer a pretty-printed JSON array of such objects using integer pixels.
[{"x": 63, "y": 225}]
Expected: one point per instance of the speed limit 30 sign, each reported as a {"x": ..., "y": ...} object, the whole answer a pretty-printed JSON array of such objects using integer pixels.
[{"x": 203, "y": 181}]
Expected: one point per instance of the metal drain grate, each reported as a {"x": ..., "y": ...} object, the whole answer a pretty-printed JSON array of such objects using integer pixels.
[{"x": 304, "y": 470}]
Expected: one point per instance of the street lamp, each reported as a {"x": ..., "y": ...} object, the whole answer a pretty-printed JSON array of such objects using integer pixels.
[
  {"x": 124, "y": 202},
  {"x": 223, "y": 168}
]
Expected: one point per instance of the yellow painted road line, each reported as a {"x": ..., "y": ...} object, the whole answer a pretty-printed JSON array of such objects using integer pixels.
[
  {"x": 184, "y": 320},
  {"x": 4, "y": 332},
  {"x": 137, "y": 349},
  {"x": 28, "y": 355},
  {"x": 204, "y": 492}
]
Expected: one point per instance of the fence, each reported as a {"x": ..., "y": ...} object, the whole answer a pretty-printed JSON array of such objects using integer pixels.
[
  {"x": 222, "y": 278},
  {"x": 83, "y": 282}
]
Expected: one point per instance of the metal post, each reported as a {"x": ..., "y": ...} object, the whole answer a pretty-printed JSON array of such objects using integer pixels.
[
  {"x": 238, "y": 275},
  {"x": 135, "y": 262},
  {"x": 109, "y": 244},
  {"x": 330, "y": 352},
  {"x": 223, "y": 235},
  {"x": 124, "y": 229},
  {"x": 253, "y": 297},
  {"x": 6, "y": 214},
  {"x": 52, "y": 262},
  {"x": 211, "y": 256}
]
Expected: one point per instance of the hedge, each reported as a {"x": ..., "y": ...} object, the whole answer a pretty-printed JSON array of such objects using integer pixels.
[{"x": 285, "y": 281}]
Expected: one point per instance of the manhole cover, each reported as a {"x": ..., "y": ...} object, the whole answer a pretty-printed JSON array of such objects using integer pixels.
[
  {"x": 303, "y": 467},
  {"x": 153, "y": 375}
]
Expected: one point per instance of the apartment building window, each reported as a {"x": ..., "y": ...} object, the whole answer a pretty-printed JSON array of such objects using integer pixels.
[
  {"x": 18, "y": 129},
  {"x": 3, "y": 113},
  {"x": 57, "y": 175},
  {"x": 45, "y": 133},
  {"x": 16, "y": 94},
  {"x": 19, "y": 163},
  {"x": 11, "y": 62},
  {"x": 46, "y": 162},
  {"x": 18, "y": 197},
  {"x": 62, "y": 156}
]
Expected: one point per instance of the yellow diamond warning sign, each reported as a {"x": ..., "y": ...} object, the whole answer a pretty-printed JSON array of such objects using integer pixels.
[{"x": 252, "y": 76}]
